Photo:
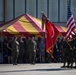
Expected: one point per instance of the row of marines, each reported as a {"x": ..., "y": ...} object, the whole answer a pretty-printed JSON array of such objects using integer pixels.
[{"x": 69, "y": 52}]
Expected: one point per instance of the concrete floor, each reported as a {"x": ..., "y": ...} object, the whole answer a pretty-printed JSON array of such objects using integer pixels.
[{"x": 37, "y": 69}]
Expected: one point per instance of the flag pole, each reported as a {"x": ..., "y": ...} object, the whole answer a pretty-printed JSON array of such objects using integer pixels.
[{"x": 44, "y": 20}]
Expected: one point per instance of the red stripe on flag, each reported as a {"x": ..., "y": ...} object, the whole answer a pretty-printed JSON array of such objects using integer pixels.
[
  {"x": 70, "y": 21},
  {"x": 70, "y": 29}
]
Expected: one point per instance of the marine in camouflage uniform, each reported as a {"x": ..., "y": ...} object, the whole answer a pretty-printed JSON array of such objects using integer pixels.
[
  {"x": 32, "y": 50},
  {"x": 15, "y": 50},
  {"x": 74, "y": 47},
  {"x": 64, "y": 47},
  {"x": 71, "y": 52}
]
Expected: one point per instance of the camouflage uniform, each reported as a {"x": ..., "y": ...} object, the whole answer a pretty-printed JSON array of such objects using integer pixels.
[{"x": 15, "y": 51}]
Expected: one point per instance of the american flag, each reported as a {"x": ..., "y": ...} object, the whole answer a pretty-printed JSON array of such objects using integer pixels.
[{"x": 70, "y": 23}]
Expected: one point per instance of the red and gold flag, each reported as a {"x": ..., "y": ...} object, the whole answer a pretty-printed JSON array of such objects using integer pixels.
[{"x": 51, "y": 36}]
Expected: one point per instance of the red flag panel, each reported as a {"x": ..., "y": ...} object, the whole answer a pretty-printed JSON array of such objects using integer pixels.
[{"x": 51, "y": 35}]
